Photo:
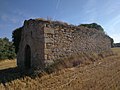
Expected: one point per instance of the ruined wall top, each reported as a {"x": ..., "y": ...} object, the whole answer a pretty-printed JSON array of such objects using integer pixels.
[{"x": 60, "y": 24}]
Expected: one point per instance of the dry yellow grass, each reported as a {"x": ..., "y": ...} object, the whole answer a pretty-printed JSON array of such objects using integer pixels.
[
  {"x": 101, "y": 75},
  {"x": 7, "y": 64},
  {"x": 116, "y": 50}
]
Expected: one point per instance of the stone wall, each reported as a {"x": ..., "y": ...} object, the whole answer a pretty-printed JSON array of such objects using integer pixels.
[
  {"x": 52, "y": 40},
  {"x": 62, "y": 40}
]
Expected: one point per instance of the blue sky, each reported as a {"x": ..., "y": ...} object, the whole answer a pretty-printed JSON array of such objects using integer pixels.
[{"x": 104, "y": 12}]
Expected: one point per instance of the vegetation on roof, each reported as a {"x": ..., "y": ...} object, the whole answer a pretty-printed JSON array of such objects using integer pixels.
[{"x": 93, "y": 25}]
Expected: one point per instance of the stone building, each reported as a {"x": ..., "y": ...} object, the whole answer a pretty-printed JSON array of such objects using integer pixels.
[{"x": 44, "y": 41}]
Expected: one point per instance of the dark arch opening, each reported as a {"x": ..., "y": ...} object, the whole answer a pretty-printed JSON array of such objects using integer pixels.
[{"x": 27, "y": 60}]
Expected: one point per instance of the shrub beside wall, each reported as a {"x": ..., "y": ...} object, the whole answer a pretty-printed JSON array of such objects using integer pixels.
[
  {"x": 7, "y": 50},
  {"x": 16, "y": 35}
]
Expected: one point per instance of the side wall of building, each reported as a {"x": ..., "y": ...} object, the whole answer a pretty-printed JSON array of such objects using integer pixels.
[{"x": 65, "y": 41}]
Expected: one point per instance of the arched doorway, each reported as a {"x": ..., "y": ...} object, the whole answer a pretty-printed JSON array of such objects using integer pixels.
[{"x": 27, "y": 60}]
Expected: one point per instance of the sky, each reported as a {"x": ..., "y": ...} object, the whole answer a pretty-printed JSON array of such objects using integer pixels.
[{"x": 103, "y": 12}]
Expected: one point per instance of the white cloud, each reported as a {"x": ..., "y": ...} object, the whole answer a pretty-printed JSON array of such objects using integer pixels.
[
  {"x": 113, "y": 23},
  {"x": 7, "y": 18},
  {"x": 16, "y": 16},
  {"x": 112, "y": 28},
  {"x": 58, "y": 3},
  {"x": 57, "y": 6},
  {"x": 111, "y": 6},
  {"x": 20, "y": 13},
  {"x": 90, "y": 11},
  {"x": 4, "y": 17},
  {"x": 116, "y": 38}
]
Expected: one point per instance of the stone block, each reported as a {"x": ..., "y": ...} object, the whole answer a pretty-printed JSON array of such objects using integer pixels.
[
  {"x": 47, "y": 51},
  {"x": 48, "y": 40},
  {"x": 48, "y": 45},
  {"x": 48, "y": 30}
]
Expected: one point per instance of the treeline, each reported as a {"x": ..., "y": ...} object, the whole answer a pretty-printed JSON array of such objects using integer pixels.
[
  {"x": 116, "y": 44},
  {"x": 7, "y": 50}
]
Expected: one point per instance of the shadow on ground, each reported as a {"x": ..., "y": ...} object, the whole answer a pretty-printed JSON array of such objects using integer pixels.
[{"x": 10, "y": 74}]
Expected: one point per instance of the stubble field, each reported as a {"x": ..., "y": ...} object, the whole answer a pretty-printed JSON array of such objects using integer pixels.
[{"x": 103, "y": 74}]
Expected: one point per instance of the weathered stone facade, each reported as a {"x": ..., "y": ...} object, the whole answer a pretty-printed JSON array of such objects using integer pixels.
[{"x": 52, "y": 40}]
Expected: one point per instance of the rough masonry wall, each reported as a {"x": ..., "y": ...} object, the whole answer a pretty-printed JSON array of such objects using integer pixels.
[{"x": 65, "y": 40}]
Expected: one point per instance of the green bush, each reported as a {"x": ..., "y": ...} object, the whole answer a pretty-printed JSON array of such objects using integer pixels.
[
  {"x": 7, "y": 50},
  {"x": 93, "y": 25}
]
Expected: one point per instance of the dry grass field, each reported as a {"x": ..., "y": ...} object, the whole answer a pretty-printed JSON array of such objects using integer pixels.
[
  {"x": 102, "y": 74},
  {"x": 7, "y": 64}
]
